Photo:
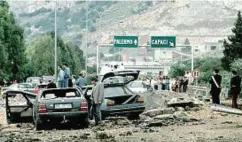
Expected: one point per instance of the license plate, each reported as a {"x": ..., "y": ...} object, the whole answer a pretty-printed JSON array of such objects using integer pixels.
[{"x": 59, "y": 106}]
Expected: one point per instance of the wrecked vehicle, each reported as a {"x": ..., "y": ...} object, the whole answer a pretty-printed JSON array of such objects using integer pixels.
[
  {"x": 19, "y": 105},
  {"x": 139, "y": 87},
  {"x": 18, "y": 87},
  {"x": 118, "y": 98},
  {"x": 48, "y": 107},
  {"x": 39, "y": 88}
]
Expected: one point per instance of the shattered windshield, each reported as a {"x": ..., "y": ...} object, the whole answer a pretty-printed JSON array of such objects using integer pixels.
[
  {"x": 116, "y": 91},
  {"x": 59, "y": 94}
]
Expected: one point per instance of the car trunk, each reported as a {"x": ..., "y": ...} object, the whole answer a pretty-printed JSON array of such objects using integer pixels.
[
  {"x": 125, "y": 99},
  {"x": 62, "y": 104}
]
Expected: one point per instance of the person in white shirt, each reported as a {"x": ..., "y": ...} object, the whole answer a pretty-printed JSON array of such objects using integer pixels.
[{"x": 121, "y": 66}]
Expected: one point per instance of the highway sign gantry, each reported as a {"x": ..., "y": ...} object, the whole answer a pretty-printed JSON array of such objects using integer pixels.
[
  {"x": 125, "y": 41},
  {"x": 163, "y": 41}
]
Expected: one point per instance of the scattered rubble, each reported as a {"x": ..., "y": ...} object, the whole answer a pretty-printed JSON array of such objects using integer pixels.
[{"x": 161, "y": 99}]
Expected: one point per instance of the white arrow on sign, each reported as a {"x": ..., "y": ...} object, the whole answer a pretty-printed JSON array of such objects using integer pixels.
[
  {"x": 171, "y": 44},
  {"x": 135, "y": 42}
]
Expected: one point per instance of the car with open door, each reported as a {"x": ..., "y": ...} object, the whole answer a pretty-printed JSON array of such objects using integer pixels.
[
  {"x": 60, "y": 105},
  {"x": 18, "y": 87},
  {"x": 19, "y": 106},
  {"x": 118, "y": 98}
]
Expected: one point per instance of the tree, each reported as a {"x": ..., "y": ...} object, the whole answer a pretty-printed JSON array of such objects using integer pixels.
[
  {"x": 233, "y": 47},
  {"x": 187, "y": 47},
  {"x": 43, "y": 64},
  {"x": 12, "y": 46},
  {"x": 237, "y": 66}
]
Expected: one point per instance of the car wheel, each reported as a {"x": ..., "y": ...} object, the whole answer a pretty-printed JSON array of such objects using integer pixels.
[
  {"x": 38, "y": 126},
  {"x": 37, "y": 123},
  {"x": 84, "y": 123},
  {"x": 103, "y": 116},
  {"x": 134, "y": 116}
]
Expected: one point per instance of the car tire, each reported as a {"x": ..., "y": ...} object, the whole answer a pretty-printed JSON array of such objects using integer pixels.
[
  {"x": 38, "y": 126},
  {"x": 84, "y": 123},
  {"x": 103, "y": 116},
  {"x": 134, "y": 116},
  {"x": 37, "y": 123}
]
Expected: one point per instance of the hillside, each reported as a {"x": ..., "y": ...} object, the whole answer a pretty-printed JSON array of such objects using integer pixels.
[{"x": 197, "y": 20}]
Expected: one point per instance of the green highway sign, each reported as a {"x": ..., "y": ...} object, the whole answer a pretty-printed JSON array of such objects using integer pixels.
[
  {"x": 163, "y": 41},
  {"x": 125, "y": 41}
]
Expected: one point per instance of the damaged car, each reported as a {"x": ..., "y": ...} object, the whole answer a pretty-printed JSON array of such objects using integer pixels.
[
  {"x": 118, "y": 98},
  {"x": 50, "y": 106}
]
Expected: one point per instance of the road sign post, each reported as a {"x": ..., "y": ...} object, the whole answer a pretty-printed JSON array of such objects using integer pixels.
[
  {"x": 196, "y": 75},
  {"x": 163, "y": 41},
  {"x": 125, "y": 41}
]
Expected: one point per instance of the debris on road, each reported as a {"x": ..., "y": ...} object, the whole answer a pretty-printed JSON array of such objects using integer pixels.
[
  {"x": 161, "y": 99},
  {"x": 222, "y": 108}
]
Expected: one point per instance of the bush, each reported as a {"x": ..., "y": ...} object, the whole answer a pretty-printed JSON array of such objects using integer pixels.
[{"x": 237, "y": 66}]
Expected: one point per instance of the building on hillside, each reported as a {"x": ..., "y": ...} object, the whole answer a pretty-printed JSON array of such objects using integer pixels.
[{"x": 209, "y": 48}]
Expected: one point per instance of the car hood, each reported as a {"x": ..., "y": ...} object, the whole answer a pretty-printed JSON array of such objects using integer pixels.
[{"x": 130, "y": 75}]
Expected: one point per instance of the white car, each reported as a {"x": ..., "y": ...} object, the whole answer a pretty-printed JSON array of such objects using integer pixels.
[{"x": 138, "y": 87}]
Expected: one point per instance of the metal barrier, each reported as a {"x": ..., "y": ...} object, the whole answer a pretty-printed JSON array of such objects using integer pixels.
[
  {"x": 198, "y": 91},
  {"x": 201, "y": 91}
]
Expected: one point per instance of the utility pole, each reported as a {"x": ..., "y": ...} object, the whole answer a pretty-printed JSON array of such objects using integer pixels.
[
  {"x": 86, "y": 37},
  {"x": 55, "y": 43},
  {"x": 192, "y": 63}
]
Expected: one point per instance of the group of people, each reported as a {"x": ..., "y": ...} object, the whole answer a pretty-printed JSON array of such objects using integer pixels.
[
  {"x": 235, "y": 87},
  {"x": 64, "y": 76},
  {"x": 165, "y": 83}
]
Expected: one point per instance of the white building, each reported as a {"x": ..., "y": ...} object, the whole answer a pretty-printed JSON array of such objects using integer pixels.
[
  {"x": 163, "y": 55},
  {"x": 209, "y": 49}
]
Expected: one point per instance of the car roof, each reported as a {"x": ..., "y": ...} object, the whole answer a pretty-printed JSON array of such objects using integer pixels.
[{"x": 33, "y": 77}]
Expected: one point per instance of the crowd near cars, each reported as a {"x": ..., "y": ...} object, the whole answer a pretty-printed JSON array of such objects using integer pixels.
[{"x": 123, "y": 95}]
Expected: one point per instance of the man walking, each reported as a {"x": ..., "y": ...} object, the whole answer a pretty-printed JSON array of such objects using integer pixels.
[
  {"x": 61, "y": 77},
  {"x": 81, "y": 81},
  {"x": 235, "y": 88},
  {"x": 215, "y": 86},
  {"x": 97, "y": 95},
  {"x": 67, "y": 75}
]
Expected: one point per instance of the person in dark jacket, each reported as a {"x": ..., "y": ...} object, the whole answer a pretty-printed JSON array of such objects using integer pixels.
[
  {"x": 70, "y": 83},
  {"x": 51, "y": 84},
  {"x": 215, "y": 82},
  {"x": 185, "y": 84},
  {"x": 235, "y": 88}
]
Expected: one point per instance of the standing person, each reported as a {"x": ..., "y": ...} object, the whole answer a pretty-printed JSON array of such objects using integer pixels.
[
  {"x": 51, "y": 84},
  {"x": 122, "y": 66},
  {"x": 67, "y": 75},
  {"x": 163, "y": 83},
  {"x": 181, "y": 85},
  {"x": 61, "y": 77},
  {"x": 154, "y": 84},
  {"x": 70, "y": 82},
  {"x": 215, "y": 86},
  {"x": 185, "y": 84},
  {"x": 81, "y": 81},
  {"x": 111, "y": 68},
  {"x": 235, "y": 88},
  {"x": 97, "y": 95},
  {"x": 167, "y": 83},
  {"x": 115, "y": 67}
]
